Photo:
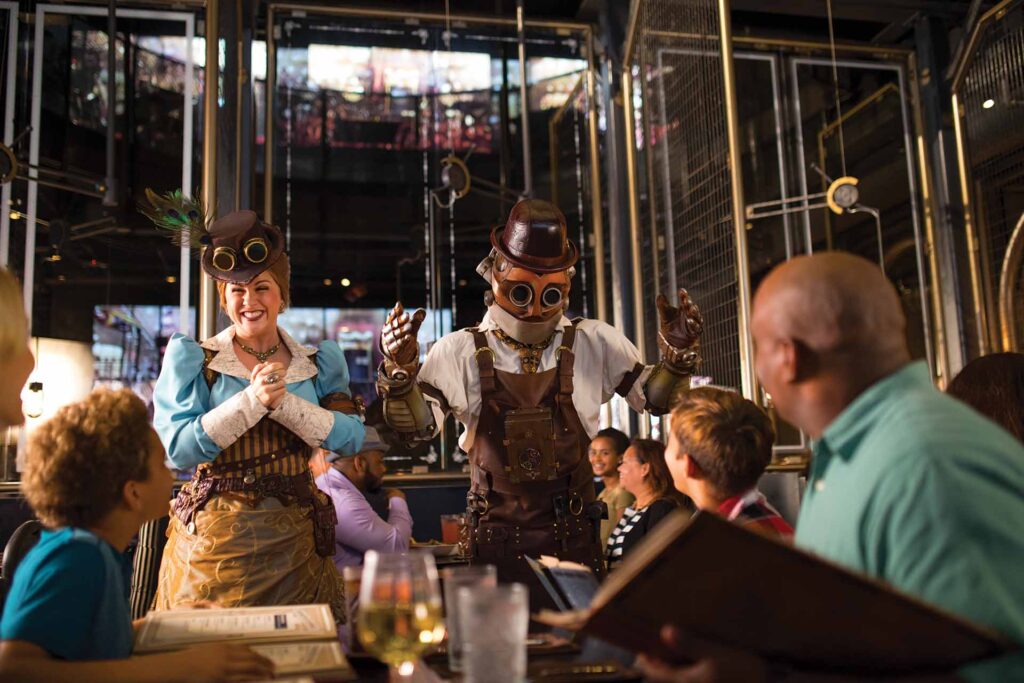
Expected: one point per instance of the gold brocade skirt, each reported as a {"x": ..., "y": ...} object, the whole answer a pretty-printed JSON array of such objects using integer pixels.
[{"x": 240, "y": 555}]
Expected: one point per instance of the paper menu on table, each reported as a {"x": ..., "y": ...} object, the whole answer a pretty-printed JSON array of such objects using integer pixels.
[
  {"x": 304, "y": 657},
  {"x": 168, "y": 630}
]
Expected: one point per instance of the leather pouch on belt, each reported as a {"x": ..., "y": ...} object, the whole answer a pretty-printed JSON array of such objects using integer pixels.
[
  {"x": 324, "y": 521},
  {"x": 530, "y": 445}
]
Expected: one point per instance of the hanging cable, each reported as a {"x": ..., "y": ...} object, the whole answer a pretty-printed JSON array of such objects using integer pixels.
[
  {"x": 835, "y": 85},
  {"x": 451, "y": 152},
  {"x": 289, "y": 125}
]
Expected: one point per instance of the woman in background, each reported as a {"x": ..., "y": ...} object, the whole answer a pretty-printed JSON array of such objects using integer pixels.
[
  {"x": 605, "y": 454},
  {"x": 644, "y": 473}
]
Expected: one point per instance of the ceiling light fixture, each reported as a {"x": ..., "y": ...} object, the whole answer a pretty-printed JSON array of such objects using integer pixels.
[
  {"x": 345, "y": 282},
  {"x": 988, "y": 104}
]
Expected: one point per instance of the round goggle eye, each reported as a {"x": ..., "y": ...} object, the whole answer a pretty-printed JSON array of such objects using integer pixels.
[
  {"x": 256, "y": 250},
  {"x": 552, "y": 296},
  {"x": 520, "y": 295},
  {"x": 223, "y": 259}
]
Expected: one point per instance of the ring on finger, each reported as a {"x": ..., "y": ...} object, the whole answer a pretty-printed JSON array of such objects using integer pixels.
[{"x": 270, "y": 379}]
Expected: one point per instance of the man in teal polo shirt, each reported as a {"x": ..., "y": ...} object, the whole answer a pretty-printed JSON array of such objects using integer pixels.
[{"x": 907, "y": 485}]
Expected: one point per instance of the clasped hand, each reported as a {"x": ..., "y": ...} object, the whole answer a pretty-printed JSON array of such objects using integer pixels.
[{"x": 267, "y": 380}]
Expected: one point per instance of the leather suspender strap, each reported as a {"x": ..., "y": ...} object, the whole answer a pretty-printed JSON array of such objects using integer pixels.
[
  {"x": 485, "y": 362},
  {"x": 566, "y": 361},
  {"x": 629, "y": 380}
]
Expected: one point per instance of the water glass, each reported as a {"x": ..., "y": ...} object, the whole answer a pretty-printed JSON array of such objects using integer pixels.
[
  {"x": 352, "y": 576},
  {"x": 494, "y": 621},
  {"x": 452, "y": 579}
]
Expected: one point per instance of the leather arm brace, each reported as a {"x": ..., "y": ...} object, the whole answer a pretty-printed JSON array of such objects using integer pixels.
[
  {"x": 405, "y": 408},
  {"x": 664, "y": 386}
]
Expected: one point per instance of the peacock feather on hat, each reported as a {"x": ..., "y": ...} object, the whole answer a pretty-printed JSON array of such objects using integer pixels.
[{"x": 182, "y": 216}]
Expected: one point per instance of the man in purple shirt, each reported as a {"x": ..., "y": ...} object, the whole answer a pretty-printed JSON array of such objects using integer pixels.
[{"x": 360, "y": 528}]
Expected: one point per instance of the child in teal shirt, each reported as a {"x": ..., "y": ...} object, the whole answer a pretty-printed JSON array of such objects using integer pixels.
[{"x": 93, "y": 474}]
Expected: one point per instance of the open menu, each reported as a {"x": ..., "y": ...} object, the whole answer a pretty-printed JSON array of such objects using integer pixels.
[
  {"x": 298, "y": 639},
  {"x": 719, "y": 581}
]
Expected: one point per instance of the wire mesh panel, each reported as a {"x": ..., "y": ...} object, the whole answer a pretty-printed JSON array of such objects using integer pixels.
[
  {"x": 686, "y": 184},
  {"x": 570, "y": 188},
  {"x": 991, "y": 98}
]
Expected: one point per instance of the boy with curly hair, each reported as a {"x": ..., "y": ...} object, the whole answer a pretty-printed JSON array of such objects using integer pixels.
[{"x": 93, "y": 474}]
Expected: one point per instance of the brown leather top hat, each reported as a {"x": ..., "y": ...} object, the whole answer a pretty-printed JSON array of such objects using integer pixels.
[
  {"x": 534, "y": 237},
  {"x": 240, "y": 247}
]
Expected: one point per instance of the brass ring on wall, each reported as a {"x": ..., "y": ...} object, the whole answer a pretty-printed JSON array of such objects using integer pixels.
[{"x": 12, "y": 161}]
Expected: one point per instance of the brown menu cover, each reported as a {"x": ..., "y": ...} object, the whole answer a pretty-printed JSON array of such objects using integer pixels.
[{"x": 720, "y": 581}]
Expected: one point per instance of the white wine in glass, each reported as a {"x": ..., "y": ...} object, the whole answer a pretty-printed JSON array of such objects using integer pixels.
[{"x": 399, "y": 608}]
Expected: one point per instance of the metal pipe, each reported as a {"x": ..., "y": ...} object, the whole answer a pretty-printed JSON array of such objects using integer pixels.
[
  {"x": 270, "y": 86},
  {"x": 636, "y": 265},
  {"x": 185, "y": 254},
  {"x": 597, "y": 218},
  {"x": 912, "y": 187},
  {"x": 207, "y": 290},
  {"x": 32, "y": 198},
  {"x": 739, "y": 225},
  {"x": 981, "y": 317},
  {"x": 110, "y": 195},
  {"x": 928, "y": 200},
  {"x": 11, "y": 78},
  {"x": 524, "y": 102}
]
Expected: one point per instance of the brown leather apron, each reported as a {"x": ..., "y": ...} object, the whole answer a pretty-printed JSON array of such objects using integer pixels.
[{"x": 532, "y": 490}]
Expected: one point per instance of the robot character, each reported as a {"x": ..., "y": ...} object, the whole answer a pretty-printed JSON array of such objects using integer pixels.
[{"x": 528, "y": 384}]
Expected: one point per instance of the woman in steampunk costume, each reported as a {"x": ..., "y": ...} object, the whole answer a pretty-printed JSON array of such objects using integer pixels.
[
  {"x": 528, "y": 385},
  {"x": 246, "y": 408}
]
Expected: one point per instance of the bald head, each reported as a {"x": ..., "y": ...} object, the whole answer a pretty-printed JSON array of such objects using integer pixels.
[
  {"x": 830, "y": 322},
  {"x": 833, "y": 303}
]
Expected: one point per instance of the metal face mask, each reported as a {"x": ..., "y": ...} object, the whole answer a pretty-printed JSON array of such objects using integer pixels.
[{"x": 529, "y": 296}]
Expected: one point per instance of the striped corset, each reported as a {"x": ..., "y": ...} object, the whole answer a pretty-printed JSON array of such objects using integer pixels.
[{"x": 288, "y": 454}]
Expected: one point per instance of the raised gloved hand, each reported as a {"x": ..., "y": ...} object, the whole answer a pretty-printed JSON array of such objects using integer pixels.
[
  {"x": 679, "y": 331},
  {"x": 398, "y": 341}
]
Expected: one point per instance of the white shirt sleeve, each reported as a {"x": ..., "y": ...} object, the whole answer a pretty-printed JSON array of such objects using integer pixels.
[
  {"x": 619, "y": 357},
  {"x": 450, "y": 367}
]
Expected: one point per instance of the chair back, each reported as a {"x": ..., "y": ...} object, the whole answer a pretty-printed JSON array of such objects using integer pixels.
[{"x": 22, "y": 540}]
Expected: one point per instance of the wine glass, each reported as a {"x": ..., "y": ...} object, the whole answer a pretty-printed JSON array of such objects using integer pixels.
[{"x": 399, "y": 608}]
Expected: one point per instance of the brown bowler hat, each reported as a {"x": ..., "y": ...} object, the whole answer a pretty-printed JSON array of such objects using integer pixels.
[
  {"x": 240, "y": 247},
  {"x": 534, "y": 237}
]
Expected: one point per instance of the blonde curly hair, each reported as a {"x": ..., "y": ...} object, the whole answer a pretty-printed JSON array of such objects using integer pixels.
[{"x": 78, "y": 462}]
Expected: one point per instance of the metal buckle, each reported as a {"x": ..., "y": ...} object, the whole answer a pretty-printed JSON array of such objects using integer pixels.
[
  {"x": 575, "y": 504},
  {"x": 488, "y": 349},
  {"x": 250, "y": 478}
]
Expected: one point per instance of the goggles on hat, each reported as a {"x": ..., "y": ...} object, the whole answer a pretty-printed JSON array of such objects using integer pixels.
[{"x": 255, "y": 250}]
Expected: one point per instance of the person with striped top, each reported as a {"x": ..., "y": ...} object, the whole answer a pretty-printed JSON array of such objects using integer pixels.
[
  {"x": 720, "y": 444},
  {"x": 643, "y": 473}
]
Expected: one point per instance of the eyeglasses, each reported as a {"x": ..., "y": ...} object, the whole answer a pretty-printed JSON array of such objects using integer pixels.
[{"x": 255, "y": 251}]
